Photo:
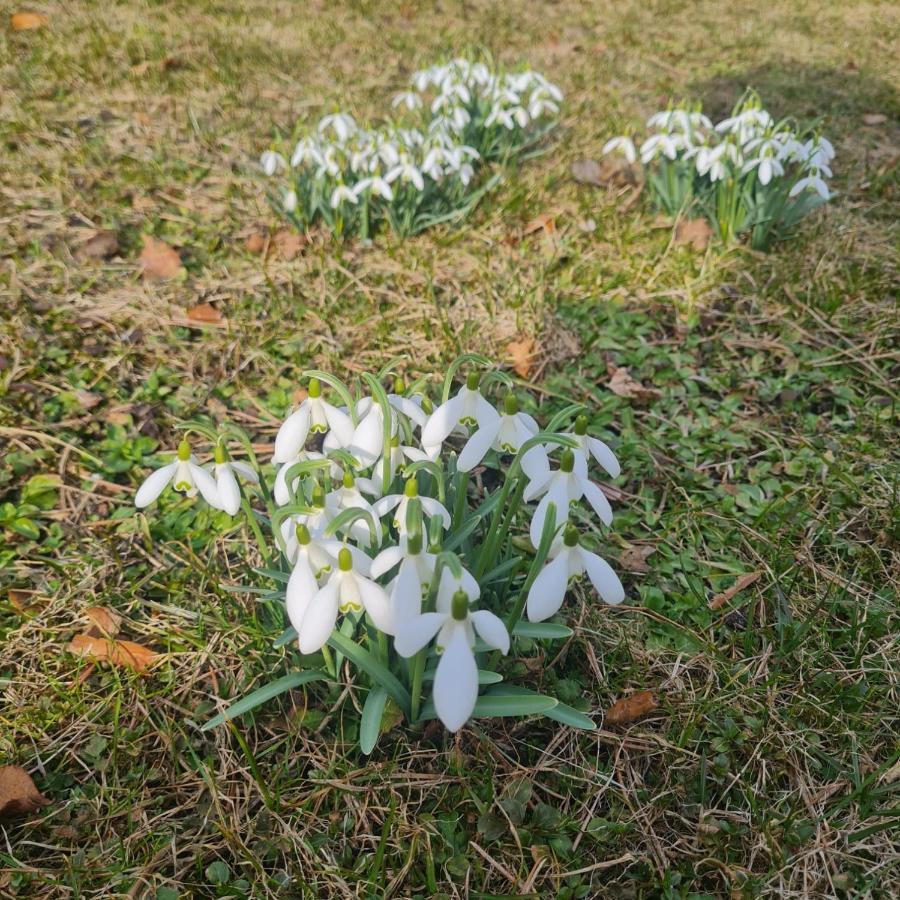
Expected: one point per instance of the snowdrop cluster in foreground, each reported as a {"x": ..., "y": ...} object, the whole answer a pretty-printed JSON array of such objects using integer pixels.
[
  {"x": 419, "y": 167},
  {"x": 747, "y": 173},
  {"x": 394, "y": 557}
]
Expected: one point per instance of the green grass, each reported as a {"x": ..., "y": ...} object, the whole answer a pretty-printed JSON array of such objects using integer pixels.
[{"x": 771, "y": 764}]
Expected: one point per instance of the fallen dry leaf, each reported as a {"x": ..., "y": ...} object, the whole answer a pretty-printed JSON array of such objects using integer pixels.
[
  {"x": 611, "y": 171},
  {"x": 634, "y": 558},
  {"x": 544, "y": 222},
  {"x": 521, "y": 354},
  {"x": 158, "y": 260},
  {"x": 205, "y": 313},
  {"x": 255, "y": 243},
  {"x": 101, "y": 245},
  {"x": 695, "y": 232},
  {"x": 27, "y": 21},
  {"x": 18, "y": 795},
  {"x": 628, "y": 709},
  {"x": 288, "y": 243},
  {"x": 119, "y": 653},
  {"x": 104, "y": 622},
  {"x": 744, "y": 581},
  {"x": 23, "y": 602},
  {"x": 623, "y": 385},
  {"x": 87, "y": 399},
  {"x": 874, "y": 118}
]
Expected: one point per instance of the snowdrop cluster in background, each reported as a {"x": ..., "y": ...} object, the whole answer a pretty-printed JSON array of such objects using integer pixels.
[
  {"x": 746, "y": 174},
  {"x": 420, "y": 168},
  {"x": 387, "y": 553}
]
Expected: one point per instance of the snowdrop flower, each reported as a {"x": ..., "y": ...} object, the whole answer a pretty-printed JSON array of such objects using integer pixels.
[
  {"x": 540, "y": 103},
  {"x": 666, "y": 144},
  {"x": 625, "y": 144},
  {"x": 290, "y": 201},
  {"x": 745, "y": 120},
  {"x": 570, "y": 560},
  {"x": 408, "y": 172},
  {"x": 565, "y": 486},
  {"x": 410, "y": 99},
  {"x": 505, "y": 434},
  {"x": 226, "y": 472},
  {"x": 456, "y": 680},
  {"x": 399, "y": 502},
  {"x": 185, "y": 476},
  {"x": 768, "y": 166},
  {"x": 323, "y": 510},
  {"x": 342, "y": 194},
  {"x": 815, "y": 182},
  {"x": 305, "y": 150},
  {"x": 592, "y": 447},
  {"x": 281, "y": 491},
  {"x": 313, "y": 559},
  {"x": 313, "y": 415},
  {"x": 272, "y": 162},
  {"x": 340, "y": 123},
  {"x": 376, "y": 186},
  {"x": 413, "y": 579},
  {"x": 348, "y": 496},
  {"x": 315, "y": 615},
  {"x": 468, "y": 408}
]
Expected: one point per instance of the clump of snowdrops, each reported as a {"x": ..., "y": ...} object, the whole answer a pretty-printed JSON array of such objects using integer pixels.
[
  {"x": 387, "y": 554},
  {"x": 748, "y": 174},
  {"x": 421, "y": 167}
]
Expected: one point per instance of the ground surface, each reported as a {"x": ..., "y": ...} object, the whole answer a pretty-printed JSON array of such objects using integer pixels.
[{"x": 771, "y": 764}]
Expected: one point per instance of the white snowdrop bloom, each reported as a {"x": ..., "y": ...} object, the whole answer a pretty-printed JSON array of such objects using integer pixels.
[
  {"x": 323, "y": 511},
  {"x": 272, "y": 162},
  {"x": 410, "y": 99},
  {"x": 348, "y": 496},
  {"x": 343, "y": 194},
  {"x": 343, "y": 125},
  {"x": 367, "y": 442},
  {"x": 406, "y": 171},
  {"x": 466, "y": 173},
  {"x": 376, "y": 187},
  {"x": 328, "y": 164},
  {"x": 506, "y": 433},
  {"x": 769, "y": 166},
  {"x": 746, "y": 120},
  {"x": 410, "y": 585},
  {"x": 467, "y": 408},
  {"x": 666, "y": 144},
  {"x": 592, "y": 447},
  {"x": 185, "y": 476},
  {"x": 226, "y": 474},
  {"x": 540, "y": 102},
  {"x": 313, "y": 559},
  {"x": 281, "y": 491},
  {"x": 290, "y": 201},
  {"x": 712, "y": 161},
  {"x": 814, "y": 182},
  {"x": 305, "y": 151},
  {"x": 456, "y": 679},
  {"x": 345, "y": 590},
  {"x": 624, "y": 144},
  {"x": 399, "y": 503},
  {"x": 570, "y": 560},
  {"x": 316, "y": 416},
  {"x": 563, "y": 487}
]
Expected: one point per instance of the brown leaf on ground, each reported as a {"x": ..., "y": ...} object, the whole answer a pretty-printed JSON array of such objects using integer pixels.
[
  {"x": 634, "y": 558},
  {"x": 628, "y": 709},
  {"x": 695, "y": 232},
  {"x": 27, "y": 21},
  {"x": 611, "y": 171},
  {"x": 544, "y": 222},
  {"x": 744, "y": 581},
  {"x": 23, "y": 602},
  {"x": 289, "y": 243},
  {"x": 103, "y": 621},
  {"x": 623, "y": 385},
  {"x": 119, "y": 653},
  {"x": 18, "y": 795},
  {"x": 874, "y": 119},
  {"x": 204, "y": 313},
  {"x": 101, "y": 245},
  {"x": 256, "y": 243},
  {"x": 521, "y": 354},
  {"x": 158, "y": 260}
]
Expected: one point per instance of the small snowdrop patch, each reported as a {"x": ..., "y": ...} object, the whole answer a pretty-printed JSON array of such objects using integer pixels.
[
  {"x": 387, "y": 552},
  {"x": 422, "y": 167},
  {"x": 749, "y": 174}
]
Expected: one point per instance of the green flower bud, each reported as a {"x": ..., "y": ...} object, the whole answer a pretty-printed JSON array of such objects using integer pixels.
[
  {"x": 399, "y": 385},
  {"x": 581, "y": 425}
]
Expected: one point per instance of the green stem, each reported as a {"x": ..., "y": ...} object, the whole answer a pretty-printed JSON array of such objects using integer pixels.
[
  {"x": 459, "y": 502},
  {"x": 254, "y": 527},
  {"x": 329, "y": 662}
]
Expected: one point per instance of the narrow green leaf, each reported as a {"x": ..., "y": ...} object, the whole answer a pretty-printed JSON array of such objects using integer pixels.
[
  {"x": 286, "y": 637},
  {"x": 375, "y": 669},
  {"x": 550, "y": 630},
  {"x": 485, "y": 677},
  {"x": 264, "y": 694},
  {"x": 370, "y": 724},
  {"x": 568, "y": 715}
]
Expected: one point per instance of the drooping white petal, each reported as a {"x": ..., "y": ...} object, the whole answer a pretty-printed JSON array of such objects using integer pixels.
[
  {"x": 603, "y": 578},
  {"x": 301, "y": 588},
  {"x": 538, "y": 483},
  {"x": 377, "y": 604},
  {"x": 491, "y": 630},
  {"x": 248, "y": 473},
  {"x": 604, "y": 456},
  {"x": 206, "y": 485},
  {"x": 456, "y": 681},
  {"x": 385, "y": 504},
  {"x": 536, "y": 466},
  {"x": 548, "y": 590},
  {"x": 477, "y": 446},
  {"x": 227, "y": 489},
  {"x": 557, "y": 495},
  {"x": 415, "y": 633},
  {"x": 485, "y": 414},
  {"x": 386, "y": 560},
  {"x": 410, "y": 409},
  {"x": 597, "y": 499},
  {"x": 339, "y": 423},
  {"x": 154, "y": 485},
  {"x": 292, "y": 435},
  {"x": 406, "y": 594},
  {"x": 368, "y": 438},
  {"x": 321, "y": 616},
  {"x": 442, "y": 421},
  {"x": 434, "y": 509}
]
